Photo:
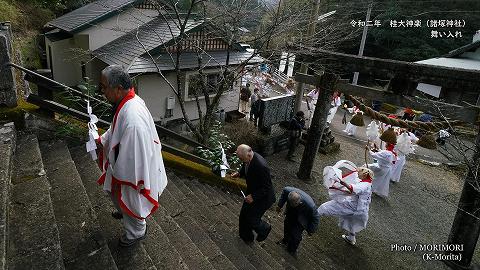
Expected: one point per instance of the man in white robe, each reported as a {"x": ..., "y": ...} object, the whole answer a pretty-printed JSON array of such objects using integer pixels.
[
  {"x": 130, "y": 156},
  {"x": 382, "y": 169},
  {"x": 351, "y": 204}
]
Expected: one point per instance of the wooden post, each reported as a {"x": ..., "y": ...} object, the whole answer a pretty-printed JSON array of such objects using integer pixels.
[
  {"x": 466, "y": 225},
  {"x": 304, "y": 67},
  {"x": 326, "y": 88}
]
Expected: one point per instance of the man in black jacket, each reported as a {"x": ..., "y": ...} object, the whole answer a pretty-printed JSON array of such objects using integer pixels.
[
  {"x": 300, "y": 214},
  {"x": 260, "y": 195},
  {"x": 295, "y": 127}
]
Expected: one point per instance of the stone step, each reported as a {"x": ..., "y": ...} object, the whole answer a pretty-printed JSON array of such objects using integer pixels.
[
  {"x": 215, "y": 195},
  {"x": 7, "y": 150},
  {"x": 189, "y": 252},
  {"x": 28, "y": 161},
  {"x": 223, "y": 233},
  {"x": 199, "y": 232},
  {"x": 233, "y": 204},
  {"x": 134, "y": 257},
  {"x": 306, "y": 246},
  {"x": 33, "y": 237},
  {"x": 268, "y": 246},
  {"x": 83, "y": 246},
  {"x": 161, "y": 250},
  {"x": 192, "y": 228}
]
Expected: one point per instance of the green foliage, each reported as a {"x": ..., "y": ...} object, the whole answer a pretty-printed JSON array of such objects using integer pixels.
[
  {"x": 244, "y": 132},
  {"x": 9, "y": 12},
  {"x": 214, "y": 156},
  {"x": 71, "y": 99},
  {"x": 70, "y": 128}
]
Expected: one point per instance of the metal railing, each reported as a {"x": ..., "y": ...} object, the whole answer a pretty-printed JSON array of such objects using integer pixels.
[
  {"x": 60, "y": 108},
  {"x": 279, "y": 77}
]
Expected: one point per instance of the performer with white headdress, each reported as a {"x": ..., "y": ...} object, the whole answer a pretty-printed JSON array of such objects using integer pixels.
[
  {"x": 403, "y": 148},
  {"x": 350, "y": 195},
  {"x": 356, "y": 121},
  {"x": 382, "y": 169}
]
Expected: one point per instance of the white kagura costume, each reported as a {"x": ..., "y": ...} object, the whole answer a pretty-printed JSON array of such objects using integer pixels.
[
  {"x": 132, "y": 163},
  {"x": 401, "y": 159},
  {"x": 398, "y": 167},
  {"x": 382, "y": 170},
  {"x": 336, "y": 102},
  {"x": 351, "y": 207}
]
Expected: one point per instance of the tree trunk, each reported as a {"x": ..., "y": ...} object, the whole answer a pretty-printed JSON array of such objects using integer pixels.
[
  {"x": 466, "y": 225},
  {"x": 326, "y": 88}
]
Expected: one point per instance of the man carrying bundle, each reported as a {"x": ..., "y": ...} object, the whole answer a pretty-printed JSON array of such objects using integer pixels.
[{"x": 130, "y": 156}]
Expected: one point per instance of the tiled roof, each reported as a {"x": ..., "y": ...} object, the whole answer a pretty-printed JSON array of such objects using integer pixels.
[
  {"x": 89, "y": 14},
  {"x": 126, "y": 49},
  {"x": 190, "y": 61},
  {"x": 457, "y": 52}
]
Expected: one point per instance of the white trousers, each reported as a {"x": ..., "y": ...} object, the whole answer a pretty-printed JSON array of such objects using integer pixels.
[{"x": 134, "y": 227}]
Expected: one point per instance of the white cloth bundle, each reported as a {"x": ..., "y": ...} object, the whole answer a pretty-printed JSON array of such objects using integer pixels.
[
  {"x": 225, "y": 166},
  {"x": 373, "y": 132},
  {"x": 404, "y": 144},
  {"x": 92, "y": 133}
]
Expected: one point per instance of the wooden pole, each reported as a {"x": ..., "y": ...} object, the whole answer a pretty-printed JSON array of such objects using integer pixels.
[
  {"x": 304, "y": 67},
  {"x": 466, "y": 225},
  {"x": 326, "y": 88}
]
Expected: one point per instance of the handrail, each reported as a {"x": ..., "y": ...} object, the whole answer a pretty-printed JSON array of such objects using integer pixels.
[
  {"x": 57, "y": 107},
  {"x": 161, "y": 130}
]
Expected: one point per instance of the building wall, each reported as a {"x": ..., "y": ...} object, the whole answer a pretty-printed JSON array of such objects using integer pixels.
[
  {"x": 116, "y": 26},
  {"x": 67, "y": 57},
  {"x": 155, "y": 91},
  {"x": 68, "y": 54}
]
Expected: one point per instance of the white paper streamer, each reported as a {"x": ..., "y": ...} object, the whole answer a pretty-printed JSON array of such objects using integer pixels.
[{"x": 91, "y": 146}]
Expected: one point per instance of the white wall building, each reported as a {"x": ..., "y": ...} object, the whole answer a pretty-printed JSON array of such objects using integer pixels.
[{"x": 106, "y": 32}]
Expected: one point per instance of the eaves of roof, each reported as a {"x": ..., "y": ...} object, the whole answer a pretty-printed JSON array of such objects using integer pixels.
[
  {"x": 457, "y": 52},
  {"x": 90, "y": 14}
]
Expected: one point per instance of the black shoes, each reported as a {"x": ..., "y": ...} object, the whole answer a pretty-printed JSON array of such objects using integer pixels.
[
  {"x": 261, "y": 238},
  {"x": 117, "y": 215},
  {"x": 125, "y": 242}
]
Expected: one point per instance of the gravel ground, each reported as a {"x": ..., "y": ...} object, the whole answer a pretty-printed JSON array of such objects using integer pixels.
[{"x": 420, "y": 210}]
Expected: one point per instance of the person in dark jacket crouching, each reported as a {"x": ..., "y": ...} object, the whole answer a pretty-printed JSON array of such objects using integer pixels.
[
  {"x": 300, "y": 214},
  {"x": 295, "y": 127},
  {"x": 260, "y": 195}
]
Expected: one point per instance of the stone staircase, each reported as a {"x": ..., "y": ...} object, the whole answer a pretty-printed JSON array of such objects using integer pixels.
[{"x": 55, "y": 216}]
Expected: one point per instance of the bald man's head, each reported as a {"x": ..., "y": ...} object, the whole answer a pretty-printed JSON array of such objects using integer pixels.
[
  {"x": 244, "y": 153},
  {"x": 294, "y": 199}
]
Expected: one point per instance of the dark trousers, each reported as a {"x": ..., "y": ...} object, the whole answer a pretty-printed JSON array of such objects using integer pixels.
[
  {"x": 293, "y": 141},
  {"x": 251, "y": 220},
  {"x": 292, "y": 232},
  {"x": 253, "y": 117}
]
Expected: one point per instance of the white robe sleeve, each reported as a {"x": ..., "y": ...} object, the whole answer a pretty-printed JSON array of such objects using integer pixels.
[
  {"x": 105, "y": 138},
  {"x": 139, "y": 163},
  {"x": 361, "y": 187}
]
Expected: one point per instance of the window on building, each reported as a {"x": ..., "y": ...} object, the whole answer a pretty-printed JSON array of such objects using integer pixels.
[
  {"x": 195, "y": 84},
  {"x": 84, "y": 70},
  {"x": 168, "y": 113}
]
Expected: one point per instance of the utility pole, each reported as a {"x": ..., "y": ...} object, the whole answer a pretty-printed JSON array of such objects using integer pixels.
[
  {"x": 364, "y": 38},
  {"x": 304, "y": 67}
]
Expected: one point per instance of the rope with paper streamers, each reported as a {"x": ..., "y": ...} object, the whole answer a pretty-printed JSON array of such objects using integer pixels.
[{"x": 427, "y": 126}]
